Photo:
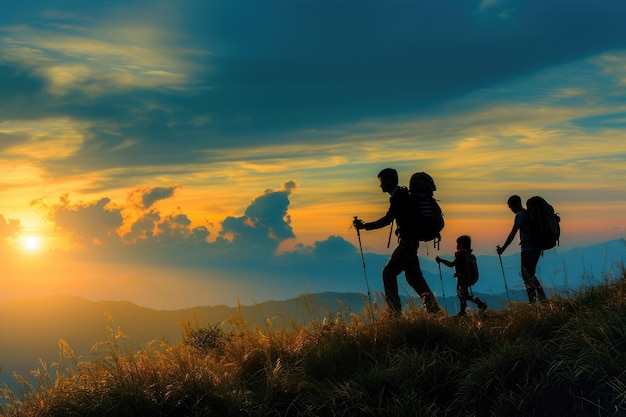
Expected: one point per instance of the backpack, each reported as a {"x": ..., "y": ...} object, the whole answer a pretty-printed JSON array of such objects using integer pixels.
[
  {"x": 430, "y": 217},
  {"x": 544, "y": 223},
  {"x": 471, "y": 268}
]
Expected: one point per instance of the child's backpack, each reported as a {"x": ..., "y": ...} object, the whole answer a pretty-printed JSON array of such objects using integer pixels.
[
  {"x": 430, "y": 221},
  {"x": 544, "y": 223},
  {"x": 471, "y": 268}
]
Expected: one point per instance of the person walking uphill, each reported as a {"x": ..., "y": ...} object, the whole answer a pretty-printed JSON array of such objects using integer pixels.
[
  {"x": 529, "y": 253},
  {"x": 404, "y": 257},
  {"x": 466, "y": 273}
]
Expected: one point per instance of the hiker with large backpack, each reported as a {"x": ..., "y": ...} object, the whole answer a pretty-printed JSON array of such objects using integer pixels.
[
  {"x": 430, "y": 217},
  {"x": 530, "y": 252},
  {"x": 466, "y": 273},
  {"x": 404, "y": 257}
]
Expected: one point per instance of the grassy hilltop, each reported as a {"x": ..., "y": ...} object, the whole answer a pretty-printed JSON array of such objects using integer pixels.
[{"x": 564, "y": 358}]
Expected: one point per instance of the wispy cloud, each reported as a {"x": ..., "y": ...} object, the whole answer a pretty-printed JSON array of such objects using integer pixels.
[
  {"x": 161, "y": 121},
  {"x": 44, "y": 139},
  {"x": 101, "y": 58}
]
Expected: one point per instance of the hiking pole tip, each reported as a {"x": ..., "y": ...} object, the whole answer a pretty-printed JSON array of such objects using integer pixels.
[{"x": 506, "y": 287}]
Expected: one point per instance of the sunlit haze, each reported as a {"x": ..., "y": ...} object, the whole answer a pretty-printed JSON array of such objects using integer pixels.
[
  {"x": 185, "y": 153},
  {"x": 31, "y": 243}
]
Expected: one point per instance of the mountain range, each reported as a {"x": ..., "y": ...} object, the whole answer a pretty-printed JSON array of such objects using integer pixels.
[{"x": 31, "y": 328}]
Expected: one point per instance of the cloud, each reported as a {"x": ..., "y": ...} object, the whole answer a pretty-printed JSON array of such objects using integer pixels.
[
  {"x": 97, "y": 58},
  {"x": 155, "y": 194},
  {"x": 614, "y": 65},
  {"x": 88, "y": 224},
  {"x": 45, "y": 139},
  {"x": 358, "y": 59},
  {"x": 245, "y": 245},
  {"x": 333, "y": 247},
  {"x": 317, "y": 64},
  {"x": 185, "y": 89},
  {"x": 325, "y": 92},
  {"x": 265, "y": 223},
  {"x": 246, "y": 265},
  {"x": 110, "y": 229},
  {"x": 10, "y": 228}
]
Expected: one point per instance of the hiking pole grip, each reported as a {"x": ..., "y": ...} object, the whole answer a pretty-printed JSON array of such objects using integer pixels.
[{"x": 358, "y": 231}]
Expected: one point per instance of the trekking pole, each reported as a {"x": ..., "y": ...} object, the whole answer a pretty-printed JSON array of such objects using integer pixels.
[
  {"x": 443, "y": 291},
  {"x": 367, "y": 285},
  {"x": 504, "y": 277}
]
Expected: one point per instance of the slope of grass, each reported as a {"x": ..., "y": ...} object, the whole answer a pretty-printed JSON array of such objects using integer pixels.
[{"x": 564, "y": 358}]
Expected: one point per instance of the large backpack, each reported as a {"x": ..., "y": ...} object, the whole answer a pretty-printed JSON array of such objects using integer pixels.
[
  {"x": 544, "y": 223},
  {"x": 430, "y": 217}
]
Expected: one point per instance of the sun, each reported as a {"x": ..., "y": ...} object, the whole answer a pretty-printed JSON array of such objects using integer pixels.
[{"x": 31, "y": 244}]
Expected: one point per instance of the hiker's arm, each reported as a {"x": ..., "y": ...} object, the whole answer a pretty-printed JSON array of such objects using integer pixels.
[
  {"x": 445, "y": 262},
  {"x": 383, "y": 221},
  {"x": 509, "y": 239}
]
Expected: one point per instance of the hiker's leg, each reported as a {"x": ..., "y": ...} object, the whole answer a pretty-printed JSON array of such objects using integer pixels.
[
  {"x": 390, "y": 279},
  {"x": 415, "y": 277},
  {"x": 529, "y": 266},
  {"x": 474, "y": 299},
  {"x": 534, "y": 280},
  {"x": 533, "y": 284},
  {"x": 482, "y": 306},
  {"x": 530, "y": 289},
  {"x": 540, "y": 293},
  {"x": 462, "y": 293}
]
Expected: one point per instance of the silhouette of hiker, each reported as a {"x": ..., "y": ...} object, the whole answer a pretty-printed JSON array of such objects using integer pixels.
[
  {"x": 462, "y": 273},
  {"x": 404, "y": 257},
  {"x": 529, "y": 254}
]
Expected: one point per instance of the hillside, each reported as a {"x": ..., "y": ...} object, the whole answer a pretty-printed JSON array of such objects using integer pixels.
[
  {"x": 564, "y": 358},
  {"x": 36, "y": 325}
]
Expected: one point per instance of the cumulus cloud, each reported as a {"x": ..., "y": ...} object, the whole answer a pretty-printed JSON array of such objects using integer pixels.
[
  {"x": 177, "y": 228},
  {"x": 242, "y": 258},
  {"x": 138, "y": 227},
  {"x": 143, "y": 227},
  {"x": 88, "y": 224},
  {"x": 333, "y": 247},
  {"x": 265, "y": 223},
  {"x": 244, "y": 244}
]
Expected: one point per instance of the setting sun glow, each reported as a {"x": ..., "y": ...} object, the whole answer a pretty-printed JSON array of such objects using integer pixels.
[{"x": 31, "y": 243}]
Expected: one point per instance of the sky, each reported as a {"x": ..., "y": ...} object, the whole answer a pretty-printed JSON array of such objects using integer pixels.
[{"x": 181, "y": 153}]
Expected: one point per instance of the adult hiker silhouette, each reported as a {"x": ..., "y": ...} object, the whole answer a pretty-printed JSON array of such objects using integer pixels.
[
  {"x": 404, "y": 257},
  {"x": 529, "y": 253}
]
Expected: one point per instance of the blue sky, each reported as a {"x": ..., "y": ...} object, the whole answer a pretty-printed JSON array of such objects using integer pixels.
[{"x": 224, "y": 147}]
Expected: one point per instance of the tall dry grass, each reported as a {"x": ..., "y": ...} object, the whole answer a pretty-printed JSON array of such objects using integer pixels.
[{"x": 564, "y": 358}]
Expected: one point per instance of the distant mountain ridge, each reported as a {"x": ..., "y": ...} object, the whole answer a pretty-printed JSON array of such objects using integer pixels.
[
  {"x": 36, "y": 325},
  {"x": 31, "y": 328}
]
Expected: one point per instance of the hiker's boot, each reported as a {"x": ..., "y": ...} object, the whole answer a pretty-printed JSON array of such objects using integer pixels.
[
  {"x": 430, "y": 302},
  {"x": 482, "y": 307}
]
